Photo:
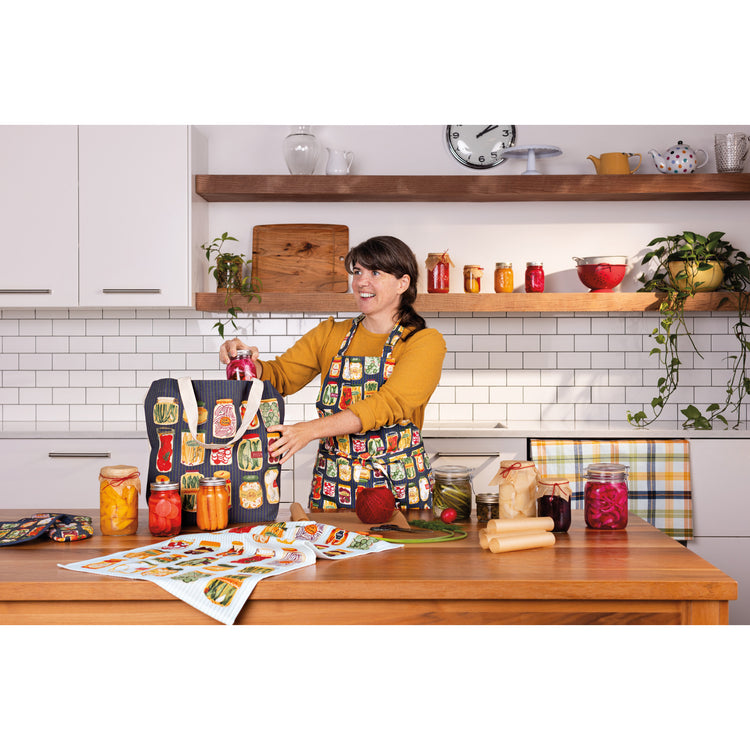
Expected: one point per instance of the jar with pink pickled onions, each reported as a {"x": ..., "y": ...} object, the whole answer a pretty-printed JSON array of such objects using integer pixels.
[{"x": 605, "y": 496}]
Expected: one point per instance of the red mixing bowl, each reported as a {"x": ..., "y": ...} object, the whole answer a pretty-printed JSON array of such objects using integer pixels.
[{"x": 601, "y": 273}]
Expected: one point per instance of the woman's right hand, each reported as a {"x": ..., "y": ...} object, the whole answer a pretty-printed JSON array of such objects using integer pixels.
[{"x": 229, "y": 349}]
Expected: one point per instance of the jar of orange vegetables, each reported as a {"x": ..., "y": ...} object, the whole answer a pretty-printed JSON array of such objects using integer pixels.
[
  {"x": 119, "y": 488},
  {"x": 212, "y": 504}
]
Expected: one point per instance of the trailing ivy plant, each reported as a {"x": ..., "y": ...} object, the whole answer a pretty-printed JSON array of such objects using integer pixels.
[
  {"x": 228, "y": 271},
  {"x": 692, "y": 248}
]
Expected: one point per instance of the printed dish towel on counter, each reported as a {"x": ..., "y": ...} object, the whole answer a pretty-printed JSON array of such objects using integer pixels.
[
  {"x": 658, "y": 477},
  {"x": 217, "y": 572}
]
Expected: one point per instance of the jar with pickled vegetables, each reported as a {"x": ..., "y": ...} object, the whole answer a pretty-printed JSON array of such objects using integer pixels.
[
  {"x": 119, "y": 488},
  {"x": 473, "y": 279},
  {"x": 503, "y": 277},
  {"x": 438, "y": 272},
  {"x": 488, "y": 506},
  {"x": 452, "y": 490},
  {"x": 516, "y": 481},
  {"x": 553, "y": 501},
  {"x": 164, "y": 509},
  {"x": 605, "y": 496},
  {"x": 241, "y": 366},
  {"x": 212, "y": 504}
]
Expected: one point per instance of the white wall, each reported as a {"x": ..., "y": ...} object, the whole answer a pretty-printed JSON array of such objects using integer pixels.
[{"x": 93, "y": 366}]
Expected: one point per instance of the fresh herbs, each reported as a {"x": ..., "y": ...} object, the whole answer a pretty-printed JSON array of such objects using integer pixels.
[
  {"x": 228, "y": 271},
  {"x": 685, "y": 264}
]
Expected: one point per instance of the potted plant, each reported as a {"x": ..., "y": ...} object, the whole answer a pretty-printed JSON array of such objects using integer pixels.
[
  {"x": 228, "y": 271},
  {"x": 686, "y": 264}
]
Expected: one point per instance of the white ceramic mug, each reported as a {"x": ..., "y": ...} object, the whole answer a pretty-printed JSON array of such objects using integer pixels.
[
  {"x": 731, "y": 151},
  {"x": 339, "y": 162}
]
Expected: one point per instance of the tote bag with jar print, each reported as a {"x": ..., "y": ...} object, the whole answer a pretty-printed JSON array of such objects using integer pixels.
[{"x": 207, "y": 428}]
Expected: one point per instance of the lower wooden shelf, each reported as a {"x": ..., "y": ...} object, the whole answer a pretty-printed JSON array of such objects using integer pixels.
[{"x": 315, "y": 302}]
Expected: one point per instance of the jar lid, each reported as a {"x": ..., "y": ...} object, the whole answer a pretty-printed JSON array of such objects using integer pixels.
[
  {"x": 213, "y": 482},
  {"x": 559, "y": 485},
  {"x": 488, "y": 498},
  {"x": 471, "y": 265},
  {"x": 163, "y": 486},
  {"x": 503, "y": 265},
  {"x": 241, "y": 353},
  {"x": 606, "y": 471},
  {"x": 119, "y": 471},
  {"x": 534, "y": 263},
  {"x": 451, "y": 471}
]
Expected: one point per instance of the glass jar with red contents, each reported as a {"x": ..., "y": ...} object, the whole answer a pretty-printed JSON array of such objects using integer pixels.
[
  {"x": 164, "y": 509},
  {"x": 553, "y": 501},
  {"x": 438, "y": 273},
  {"x": 605, "y": 496},
  {"x": 241, "y": 366},
  {"x": 534, "y": 276}
]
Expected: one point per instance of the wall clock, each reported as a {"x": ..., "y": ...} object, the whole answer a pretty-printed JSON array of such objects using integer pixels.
[{"x": 479, "y": 146}]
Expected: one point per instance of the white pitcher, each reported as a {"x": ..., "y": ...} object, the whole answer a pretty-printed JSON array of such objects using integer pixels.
[{"x": 339, "y": 162}]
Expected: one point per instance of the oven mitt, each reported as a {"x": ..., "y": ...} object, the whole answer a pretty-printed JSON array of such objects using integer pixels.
[{"x": 60, "y": 527}]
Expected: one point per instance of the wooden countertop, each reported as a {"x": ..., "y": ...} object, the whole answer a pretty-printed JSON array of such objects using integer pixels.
[{"x": 638, "y": 575}]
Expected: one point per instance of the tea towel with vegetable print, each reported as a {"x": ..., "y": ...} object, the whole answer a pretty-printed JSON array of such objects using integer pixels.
[
  {"x": 217, "y": 572},
  {"x": 205, "y": 428},
  {"x": 658, "y": 478}
]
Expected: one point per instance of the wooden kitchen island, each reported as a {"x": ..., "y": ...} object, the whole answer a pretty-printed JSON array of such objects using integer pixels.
[{"x": 635, "y": 576}]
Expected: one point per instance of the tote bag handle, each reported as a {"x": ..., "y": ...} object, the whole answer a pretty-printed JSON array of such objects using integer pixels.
[{"x": 187, "y": 394}]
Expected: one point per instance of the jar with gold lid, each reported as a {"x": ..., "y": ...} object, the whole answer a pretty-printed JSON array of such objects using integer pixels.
[
  {"x": 488, "y": 506},
  {"x": 503, "y": 277},
  {"x": 212, "y": 504},
  {"x": 473, "y": 279}
]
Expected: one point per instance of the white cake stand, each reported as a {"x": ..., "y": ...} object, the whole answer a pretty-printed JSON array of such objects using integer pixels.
[{"x": 531, "y": 154}]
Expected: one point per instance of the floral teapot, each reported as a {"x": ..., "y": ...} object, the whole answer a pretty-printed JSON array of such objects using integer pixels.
[{"x": 679, "y": 159}]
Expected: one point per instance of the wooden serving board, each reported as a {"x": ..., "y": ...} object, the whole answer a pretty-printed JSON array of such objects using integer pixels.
[{"x": 300, "y": 257}]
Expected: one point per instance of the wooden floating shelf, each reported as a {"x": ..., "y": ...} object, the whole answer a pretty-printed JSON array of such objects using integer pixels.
[
  {"x": 316, "y": 302},
  {"x": 471, "y": 188}
]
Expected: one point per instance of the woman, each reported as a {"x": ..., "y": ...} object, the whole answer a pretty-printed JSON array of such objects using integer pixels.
[{"x": 378, "y": 372}]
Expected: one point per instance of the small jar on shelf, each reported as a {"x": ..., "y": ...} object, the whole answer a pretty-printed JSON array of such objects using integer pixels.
[
  {"x": 503, "y": 277},
  {"x": 534, "y": 276},
  {"x": 472, "y": 279}
]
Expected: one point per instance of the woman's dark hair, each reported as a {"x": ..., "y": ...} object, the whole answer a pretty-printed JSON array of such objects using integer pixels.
[{"x": 391, "y": 255}]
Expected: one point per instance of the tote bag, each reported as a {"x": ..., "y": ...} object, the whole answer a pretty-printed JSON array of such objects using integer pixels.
[{"x": 207, "y": 428}]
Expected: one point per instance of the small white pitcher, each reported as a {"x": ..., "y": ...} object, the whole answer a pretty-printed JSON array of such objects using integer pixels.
[{"x": 339, "y": 162}]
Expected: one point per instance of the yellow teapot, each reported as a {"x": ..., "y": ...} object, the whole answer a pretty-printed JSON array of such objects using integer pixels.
[{"x": 615, "y": 162}]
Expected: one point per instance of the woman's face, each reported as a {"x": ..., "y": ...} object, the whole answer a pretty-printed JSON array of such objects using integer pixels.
[{"x": 377, "y": 291}]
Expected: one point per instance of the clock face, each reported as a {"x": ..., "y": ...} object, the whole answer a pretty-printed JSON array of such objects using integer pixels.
[{"x": 479, "y": 146}]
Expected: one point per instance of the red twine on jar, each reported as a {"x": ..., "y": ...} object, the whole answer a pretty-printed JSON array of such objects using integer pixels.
[
  {"x": 513, "y": 467},
  {"x": 116, "y": 481}
]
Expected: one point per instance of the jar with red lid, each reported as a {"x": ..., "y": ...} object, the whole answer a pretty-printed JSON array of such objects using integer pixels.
[
  {"x": 241, "y": 366},
  {"x": 438, "y": 273},
  {"x": 534, "y": 276},
  {"x": 164, "y": 509}
]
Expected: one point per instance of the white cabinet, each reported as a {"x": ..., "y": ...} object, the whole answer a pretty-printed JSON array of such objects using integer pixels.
[
  {"x": 721, "y": 513},
  {"x": 135, "y": 218},
  {"x": 39, "y": 215},
  {"x": 51, "y": 474}
]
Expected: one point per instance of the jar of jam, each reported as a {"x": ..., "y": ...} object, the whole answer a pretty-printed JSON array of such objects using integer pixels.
[
  {"x": 605, "y": 496},
  {"x": 241, "y": 366},
  {"x": 503, "y": 277},
  {"x": 438, "y": 272},
  {"x": 452, "y": 490},
  {"x": 534, "y": 276},
  {"x": 472, "y": 279},
  {"x": 164, "y": 509},
  {"x": 553, "y": 500},
  {"x": 119, "y": 488},
  {"x": 488, "y": 506},
  {"x": 212, "y": 504}
]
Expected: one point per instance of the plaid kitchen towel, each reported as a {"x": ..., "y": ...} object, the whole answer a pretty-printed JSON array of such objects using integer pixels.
[{"x": 658, "y": 476}]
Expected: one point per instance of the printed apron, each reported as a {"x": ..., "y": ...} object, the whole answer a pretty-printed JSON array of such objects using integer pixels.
[{"x": 392, "y": 456}]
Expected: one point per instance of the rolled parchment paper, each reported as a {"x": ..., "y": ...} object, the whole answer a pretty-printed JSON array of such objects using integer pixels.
[
  {"x": 514, "y": 542},
  {"x": 516, "y": 525}
]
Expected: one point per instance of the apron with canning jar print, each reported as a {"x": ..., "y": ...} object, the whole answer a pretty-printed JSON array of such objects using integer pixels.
[{"x": 392, "y": 456}]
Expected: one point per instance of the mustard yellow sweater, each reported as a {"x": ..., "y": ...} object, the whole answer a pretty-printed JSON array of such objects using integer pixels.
[{"x": 416, "y": 371}]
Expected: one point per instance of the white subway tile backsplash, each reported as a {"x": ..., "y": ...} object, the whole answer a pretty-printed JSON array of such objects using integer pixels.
[
  {"x": 34, "y": 328},
  {"x": 18, "y": 379},
  {"x": 66, "y": 327}
]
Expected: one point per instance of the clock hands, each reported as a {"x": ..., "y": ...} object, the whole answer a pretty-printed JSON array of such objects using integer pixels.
[{"x": 486, "y": 130}]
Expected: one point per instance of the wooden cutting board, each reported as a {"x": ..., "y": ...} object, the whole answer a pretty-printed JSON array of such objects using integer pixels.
[{"x": 300, "y": 257}]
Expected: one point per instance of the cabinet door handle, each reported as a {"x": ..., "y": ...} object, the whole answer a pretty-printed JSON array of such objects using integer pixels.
[
  {"x": 80, "y": 454},
  {"x": 25, "y": 291},
  {"x": 131, "y": 291}
]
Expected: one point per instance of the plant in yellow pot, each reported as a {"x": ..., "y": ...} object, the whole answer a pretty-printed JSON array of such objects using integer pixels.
[{"x": 686, "y": 264}]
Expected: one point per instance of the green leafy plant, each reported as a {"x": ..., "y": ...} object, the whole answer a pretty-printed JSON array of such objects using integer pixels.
[
  {"x": 679, "y": 261},
  {"x": 227, "y": 269}
]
